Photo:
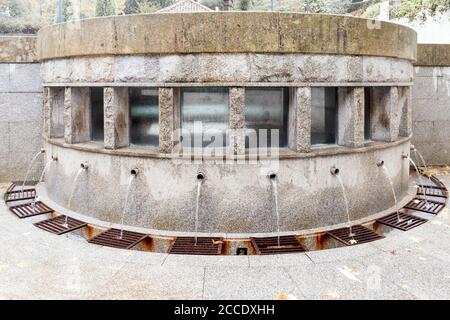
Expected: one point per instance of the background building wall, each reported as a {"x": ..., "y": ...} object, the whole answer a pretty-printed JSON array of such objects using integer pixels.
[
  {"x": 20, "y": 108},
  {"x": 431, "y": 103}
]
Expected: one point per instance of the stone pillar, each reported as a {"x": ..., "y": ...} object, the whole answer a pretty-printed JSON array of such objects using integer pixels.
[
  {"x": 77, "y": 115},
  {"x": 385, "y": 117},
  {"x": 167, "y": 100},
  {"x": 47, "y": 112},
  {"x": 405, "y": 101},
  {"x": 299, "y": 131},
  {"x": 237, "y": 120},
  {"x": 116, "y": 106},
  {"x": 350, "y": 117}
]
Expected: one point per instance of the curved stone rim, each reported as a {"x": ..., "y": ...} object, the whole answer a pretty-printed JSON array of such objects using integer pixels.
[{"x": 227, "y": 32}]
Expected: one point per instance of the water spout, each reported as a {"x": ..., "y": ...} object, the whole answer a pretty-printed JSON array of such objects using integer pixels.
[
  {"x": 386, "y": 173},
  {"x": 274, "y": 182},
  {"x": 335, "y": 172},
  {"x": 200, "y": 175},
  {"x": 83, "y": 168},
  {"x": 42, "y": 151},
  {"x": 133, "y": 174},
  {"x": 427, "y": 204},
  {"x": 200, "y": 179}
]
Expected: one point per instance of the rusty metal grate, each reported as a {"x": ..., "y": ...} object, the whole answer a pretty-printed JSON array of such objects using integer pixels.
[
  {"x": 204, "y": 246},
  {"x": 432, "y": 191},
  {"x": 430, "y": 206},
  {"x": 269, "y": 245},
  {"x": 407, "y": 221},
  {"x": 360, "y": 234},
  {"x": 111, "y": 238},
  {"x": 29, "y": 210},
  {"x": 12, "y": 195},
  {"x": 57, "y": 225}
]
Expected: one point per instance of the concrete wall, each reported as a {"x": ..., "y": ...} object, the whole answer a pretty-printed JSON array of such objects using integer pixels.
[
  {"x": 20, "y": 109},
  {"x": 431, "y": 113},
  {"x": 236, "y": 197},
  {"x": 431, "y": 103}
]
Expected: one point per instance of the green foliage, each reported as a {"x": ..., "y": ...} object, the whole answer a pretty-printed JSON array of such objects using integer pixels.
[
  {"x": 372, "y": 11},
  {"x": 67, "y": 12},
  {"x": 17, "y": 8},
  {"x": 330, "y": 6},
  {"x": 212, "y": 4},
  {"x": 419, "y": 9},
  {"x": 243, "y": 5},
  {"x": 131, "y": 7},
  {"x": 105, "y": 8},
  {"x": 16, "y": 25},
  {"x": 147, "y": 7}
]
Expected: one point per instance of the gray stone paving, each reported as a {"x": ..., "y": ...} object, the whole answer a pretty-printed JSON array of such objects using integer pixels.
[{"x": 408, "y": 265}]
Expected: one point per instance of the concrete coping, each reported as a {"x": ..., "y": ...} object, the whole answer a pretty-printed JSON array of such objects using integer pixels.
[
  {"x": 226, "y": 32},
  {"x": 437, "y": 55},
  {"x": 284, "y": 154},
  {"x": 18, "y": 49}
]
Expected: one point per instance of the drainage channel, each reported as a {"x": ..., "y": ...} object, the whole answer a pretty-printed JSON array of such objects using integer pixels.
[{"x": 430, "y": 199}]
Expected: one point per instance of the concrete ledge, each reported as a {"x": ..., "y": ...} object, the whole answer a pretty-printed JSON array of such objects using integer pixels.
[
  {"x": 226, "y": 32},
  {"x": 18, "y": 49},
  {"x": 316, "y": 151},
  {"x": 433, "y": 55}
]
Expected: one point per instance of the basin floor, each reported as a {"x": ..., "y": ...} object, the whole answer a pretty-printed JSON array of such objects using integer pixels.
[{"x": 35, "y": 264}]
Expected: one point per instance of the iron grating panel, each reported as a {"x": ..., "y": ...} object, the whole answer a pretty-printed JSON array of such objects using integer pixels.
[
  {"x": 12, "y": 195},
  {"x": 360, "y": 234},
  {"x": 430, "y": 206},
  {"x": 432, "y": 191},
  {"x": 56, "y": 225},
  {"x": 407, "y": 221},
  {"x": 204, "y": 246},
  {"x": 269, "y": 245},
  {"x": 111, "y": 238},
  {"x": 28, "y": 210}
]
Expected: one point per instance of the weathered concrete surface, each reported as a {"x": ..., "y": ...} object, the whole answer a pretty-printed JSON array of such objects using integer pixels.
[
  {"x": 166, "y": 120},
  {"x": 431, "y": 113},
  {"x": 236, "y": 197},
  {"x": 433, "y": 55},
  {"x": 116, "y": 106},
  {"x": 237, "y": 120},
  {"x": 236, "y": 68},
  {"x": 20, "y": 120},
  {"x": 18, "y": 49},
  {"x": 385, "y": 114},
  {"x": 229, "y": 32},
  {"x": 300, "y": 119},
  {"x": 58, "y": 267},
  {"x": 77, "y": 115},
  {"x": 351, "y": 116}
]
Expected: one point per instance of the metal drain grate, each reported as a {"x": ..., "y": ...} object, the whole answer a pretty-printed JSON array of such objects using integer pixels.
[
  {"x": 28, "y": 210},
  {"x": 56, "y": 225},
  {"x": 407, "y": 221},
  {"x": 12, "y": 195},
  {"x": 360, "y": 234},
  {"x": 432, "y": 191},
  {"x": 433, "y": 207},
  {"x": 204, "y": 246},
  {"x": 269, "y": 245},
  {"x": 111, "y": 238}
]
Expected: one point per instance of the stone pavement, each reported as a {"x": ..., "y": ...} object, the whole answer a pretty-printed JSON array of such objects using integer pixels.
[{"x": 406, "y": 265}]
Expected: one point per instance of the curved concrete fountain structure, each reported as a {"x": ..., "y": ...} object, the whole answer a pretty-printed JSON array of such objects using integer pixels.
[{"x": 235, "y": 51}]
